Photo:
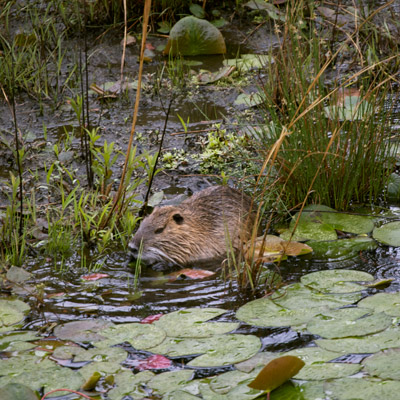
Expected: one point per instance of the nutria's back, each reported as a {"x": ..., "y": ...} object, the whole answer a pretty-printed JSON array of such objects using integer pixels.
[{"x": 197, "y": 230}]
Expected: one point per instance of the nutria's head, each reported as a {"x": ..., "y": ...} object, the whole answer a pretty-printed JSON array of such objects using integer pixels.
[{"x": 161, "y": 235}]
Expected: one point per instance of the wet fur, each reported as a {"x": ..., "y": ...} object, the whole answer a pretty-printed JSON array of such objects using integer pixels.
[{"x": 194, "y": 231}]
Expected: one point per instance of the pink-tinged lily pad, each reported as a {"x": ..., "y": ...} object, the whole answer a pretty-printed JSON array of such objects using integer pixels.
[
  {"x": 94, "y": 277},
  {"x": 151, "y": 318},
  {"x": 156, "y": 361}
]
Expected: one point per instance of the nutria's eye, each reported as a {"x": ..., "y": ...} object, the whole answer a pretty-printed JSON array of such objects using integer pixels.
[
  {"x": 178, "y": 219},
  {"x": 158, "y": 230}
]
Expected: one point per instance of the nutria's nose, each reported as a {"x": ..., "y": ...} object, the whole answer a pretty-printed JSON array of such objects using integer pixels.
[{"x": 133, "y": 249}]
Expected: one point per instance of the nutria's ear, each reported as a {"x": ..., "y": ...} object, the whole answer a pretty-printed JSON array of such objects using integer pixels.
[{"x": 178, "y": 218}]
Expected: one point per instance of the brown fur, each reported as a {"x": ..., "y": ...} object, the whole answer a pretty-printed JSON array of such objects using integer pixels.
[{"x": 194, "y": 231}]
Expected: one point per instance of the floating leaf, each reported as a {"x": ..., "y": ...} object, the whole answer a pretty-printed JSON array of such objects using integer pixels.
[
  {"x": 272, "y": 11},
  {"x": 342, "y": 249},
  {"x": 393, "y": 187},
  {"x": 140, "y": 336},
  {"x": 192, "y": 36},
  {"x": 388, "y": 303},
  {"x": 336, "y": 280},
  {"x": 273, "y": 247},
  {"x": 364, "y": 389},
  {"x": 164, "y": 27},
  {"x": 11, "y": 312},
  {"x": 127, "y": 384},
  {"x": 385, "y": 365},
  {"x": 94, "y": 277},
  {"x": 171, "y": 380},
  {"x": 324, "y": 371},
  {"x": 18, "y": 275},
  {"x": 156, "y": 361},
  {"x": 191, "y": 322},
  {"x": 249, "y": 100},
  {"x": 151, "y": 318},
  {"x": 388, "y": 234},
  {"x": 365, "y": 344},
  {"x": 277, "y": 372},
  {"x": 347, "y": 322},
  {"x": 249, "y": 61},
  {"x": 190, "y": 273},
  {"x": 209, "y": 77},
  {"x": 17, "y": 391},
  {"x": 349, "y": 107},
  {"x": 82, "y": 331},
  {"x": 156, "y": 199}
]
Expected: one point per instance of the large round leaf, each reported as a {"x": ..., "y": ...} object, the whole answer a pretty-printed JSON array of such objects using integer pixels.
[
  {"x": 171, "y": 380},
  {"x": 323, "y": 371},
  {"x": 388, "y": 234},
  {"x": 11, "y": 312},
  {"x": 347, "y": 388},
  {"x": 389, "y": 303},
  {"x": 347, "y": 322},
  {"x": 365, "y": 344},
  {"x": 385, "y": 364},
  {"x": 336, "y": 280},
  {"x": 190, "y": 322},
  {"x": 140, "y": 336},
  {"x": 192, "y": 36},
  {"x": 82, "y": 331}
]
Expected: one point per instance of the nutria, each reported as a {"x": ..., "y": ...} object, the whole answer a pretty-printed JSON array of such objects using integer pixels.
[{"x": 194, "y": 231}]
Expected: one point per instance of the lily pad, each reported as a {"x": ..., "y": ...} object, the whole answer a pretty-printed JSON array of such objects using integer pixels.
[
  {"x": 389, "y": 303},
  {"x": 216, "y": 350},
  {"x": 313, "y": 355},
  {"x": 190, "y": 322},
  {"x": 11, "y": 312},
  {"x": 347, "y": 322},
  {"x": 140, "y": 336},
  {"x": 192, "y": 36},
  {"x": 128, "y": 384},
  {"x": 342, "y": 249},
  {"x": 18, "y": 275},
  {"x": 318, "y": 222},
  {"x": 82, "y": 331},
  {"x": 17, "y": 391},
  {"x": 324, "y": 371},
  {"x": 347, "y": 388},
  {"x": 336, "y": 280},
  {"x": 385, "y": 365},
  {"x": 364, "y": 344},
  {"x": 249, "y": 61},
  {"x": 388, "y": 234},
  {"x": 351, "y": 108},
  {"x": 249, "y": 100},
  {"x": 171, "y": 380}
]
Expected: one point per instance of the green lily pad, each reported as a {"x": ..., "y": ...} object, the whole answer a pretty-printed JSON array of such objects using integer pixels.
[
  {"x": 389, "y": 303},
  {"x": 105, "y": 368},
  {"x": 290, "y": 306},
  {"x": 351, "y": 109},
  {"x": 364, "y": 344},
  {"x": 82, "y": 331},
  {"x": 191, "y": 323},
  {"x": 216, "y": 350},
  {"x": 324, "y": 371},
  {"x": 171, "y": 380},
  {"x": 11, "y": 338},
  {"x": 128, "y": 384},
  {"x": 259, "y": 360},
  {"x": 385, "y": 365},
  {"x": 249, "y": 100},
  {"x": 342, "y": 249},
  {"x": 311, "y": 355},
  {"x": 336, "y": 280},
  {"x": 318, "y": 222},
  {"x": 354, "y": 389},
  {"x": 43, "y": 375},
  {"x": 140, "y": 336},
  {"x": 388, "y": 234},
  {"x": 18, "y": 275},
  {"x": 347, "y": 322},
  {"x": 192, "y": 36},
  {"x": 115, "y": 354},
  {"x": 17, "y": 391},
  {"x": 11, "y": 312},
  {"x": 249, "y": 61}
]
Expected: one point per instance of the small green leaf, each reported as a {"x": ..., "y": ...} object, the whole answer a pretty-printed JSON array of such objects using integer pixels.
[
  {"x": 277, "y": 372},
  {"x": 388, "y": 234},
  {"x": 197, "y": 10}
]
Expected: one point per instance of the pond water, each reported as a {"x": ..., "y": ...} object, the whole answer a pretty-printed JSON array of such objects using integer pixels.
[{"x": 68, "y": 297}]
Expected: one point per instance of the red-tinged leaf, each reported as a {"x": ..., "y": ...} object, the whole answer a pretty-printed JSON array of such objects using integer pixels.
[
  {"x": 190, "y": 273},
  {"x": 277, "y": 372},
  {"x": 94, "y": 277},
  {"x": 151, "y": 318},
  {"x": 155, "y": 361},
  {"x": 49, "y": 296},
  {"x": 149, "y": 46}
]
